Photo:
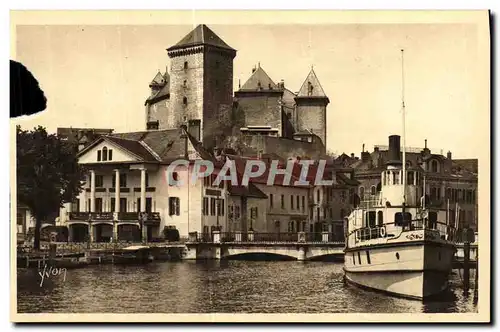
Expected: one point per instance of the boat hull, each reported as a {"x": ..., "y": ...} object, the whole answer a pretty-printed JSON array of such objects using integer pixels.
[
  {"x": 414, "y": 270},
  {"x": 408, "y": 284}
]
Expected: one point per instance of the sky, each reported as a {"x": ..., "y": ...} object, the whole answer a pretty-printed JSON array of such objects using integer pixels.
[{"x": 98, "y": 76}]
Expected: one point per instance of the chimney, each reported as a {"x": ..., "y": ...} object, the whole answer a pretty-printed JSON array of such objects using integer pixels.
[
  {"x": 365, "y": 156},
  {"x": 254, "y": 69},
  {"x": 394, "y": 150},
  {"x": 282, "y": 84},
  {"x": 448, "y": 155},
  {"x": 352, "y": 155},
  {"x": 425, "y": 144},
  {"x": 375, "y": 149},
  {"x": 363, "y": 150}
]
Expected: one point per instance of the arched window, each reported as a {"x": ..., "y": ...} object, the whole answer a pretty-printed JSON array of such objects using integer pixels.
[
  {"x": 361, "y": 192},
  {"x": 104, "y": 154},
  {"x": 380, "y": 218},
  {"x": 185, "y": 101},
  {"x": 258, "y": 85},
  {"x": 434, "y": 166},
  {"x": 373, "y": 190},
  {"x": 310, "y": 89},
  {"x": 185, "y": 65}
]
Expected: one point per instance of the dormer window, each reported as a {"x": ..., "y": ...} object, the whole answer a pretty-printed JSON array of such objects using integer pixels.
[{"x": 104, "y": 154}]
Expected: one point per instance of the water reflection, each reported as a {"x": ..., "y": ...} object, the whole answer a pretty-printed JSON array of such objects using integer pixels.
[{"x": 217, "y": 286}]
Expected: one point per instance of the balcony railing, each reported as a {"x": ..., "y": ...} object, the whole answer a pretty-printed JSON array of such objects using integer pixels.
[{"x": 120, "y": 216}]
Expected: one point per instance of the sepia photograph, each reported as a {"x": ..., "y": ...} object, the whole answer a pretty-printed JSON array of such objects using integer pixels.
[{"x": 224, "y": 166}]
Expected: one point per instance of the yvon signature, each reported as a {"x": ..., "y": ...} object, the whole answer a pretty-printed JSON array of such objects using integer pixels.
[{"x": 51, "y": 272}]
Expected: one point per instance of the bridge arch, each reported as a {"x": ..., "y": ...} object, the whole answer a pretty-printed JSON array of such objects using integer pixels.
[{"x": 260, "y": 256}]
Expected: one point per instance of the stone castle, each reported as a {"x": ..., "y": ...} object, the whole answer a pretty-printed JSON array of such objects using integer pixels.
[{"x": 262, "y": 117}]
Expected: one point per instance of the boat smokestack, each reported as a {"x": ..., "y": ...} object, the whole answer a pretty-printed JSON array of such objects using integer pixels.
[{"x": 394, "y": 149}]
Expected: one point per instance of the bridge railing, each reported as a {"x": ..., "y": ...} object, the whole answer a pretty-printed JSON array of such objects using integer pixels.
[{"x": 266, "y": 237}]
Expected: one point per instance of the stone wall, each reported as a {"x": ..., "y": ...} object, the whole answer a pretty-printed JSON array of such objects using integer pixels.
[
  {"x": 311, "y": 115},
  {"x": 286, "y": 148}
]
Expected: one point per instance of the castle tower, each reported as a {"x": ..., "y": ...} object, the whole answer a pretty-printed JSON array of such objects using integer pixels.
[
  {"x": 158, "y": 104},
  {"x": 201, "y": 84},
  {"x": 259, "y": 104},
  {"x": 311, "y": 104}
]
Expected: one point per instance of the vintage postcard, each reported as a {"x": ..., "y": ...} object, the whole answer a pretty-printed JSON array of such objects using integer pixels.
[{"x": 250, "y": 166}]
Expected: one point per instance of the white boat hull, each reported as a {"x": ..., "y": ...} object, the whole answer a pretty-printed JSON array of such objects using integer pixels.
[
  {"x": 415, "y": 285},
  {"x": 415, "y": 269}
]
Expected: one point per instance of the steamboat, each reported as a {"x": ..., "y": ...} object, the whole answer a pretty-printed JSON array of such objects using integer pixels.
[{"x": 394, "y": 242}]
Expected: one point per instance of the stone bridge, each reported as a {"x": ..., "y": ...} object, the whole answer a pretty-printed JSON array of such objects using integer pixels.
[{"x": 297, "y": 247}]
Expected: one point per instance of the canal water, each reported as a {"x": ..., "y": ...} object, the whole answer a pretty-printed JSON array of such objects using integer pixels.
[{"x": 217, "y": 286}]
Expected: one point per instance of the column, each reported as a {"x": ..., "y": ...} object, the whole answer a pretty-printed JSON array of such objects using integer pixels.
[
  {"x": 115, "y": 231},
  {"x": 143, "y": 204},
  {"x": 70, "y": 233},
  {"x": 91, "y": 232},
  {"x": 143, "y": 190},
  {"x": 92, "y": 191},
  {"x": 117, "y": 190}
]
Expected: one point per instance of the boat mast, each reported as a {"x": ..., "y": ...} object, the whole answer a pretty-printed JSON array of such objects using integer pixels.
[{"x": 403, "y": 176}]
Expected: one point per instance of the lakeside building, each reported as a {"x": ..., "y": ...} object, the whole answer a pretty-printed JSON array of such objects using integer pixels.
[
  {"x": 127, "y": 195},
  {"x": 446, "y": 179}
]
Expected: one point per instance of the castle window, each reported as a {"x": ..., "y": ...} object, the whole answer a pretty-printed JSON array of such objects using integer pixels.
[
  {"x": 185, "y": 65},
  {"x": 104, "y": 154},
  {"x": 185, "y": 101},
  {"x": 309, "y": 89}
]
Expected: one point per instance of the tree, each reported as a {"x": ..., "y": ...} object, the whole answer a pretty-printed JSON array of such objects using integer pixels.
[{"x": 48, "y": 174}]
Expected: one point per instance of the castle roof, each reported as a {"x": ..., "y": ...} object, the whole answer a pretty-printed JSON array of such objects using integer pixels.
[
  {"x": 311, "y": 87},
  {"x": 159, "y": 79},
  {"x": 201, "y": 35},
  {"x": 258, "y": 81}
]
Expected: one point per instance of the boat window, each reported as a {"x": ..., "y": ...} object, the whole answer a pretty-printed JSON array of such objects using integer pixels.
[
  {"x": 380, "y": 215},
  {"x": 410, "y": 179},
  {"x": 396, "y": 177},
  {"x": 370, "y": 218},
  {"x": 398, "y": 218},
  {"x": 433, "y": 220}
]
